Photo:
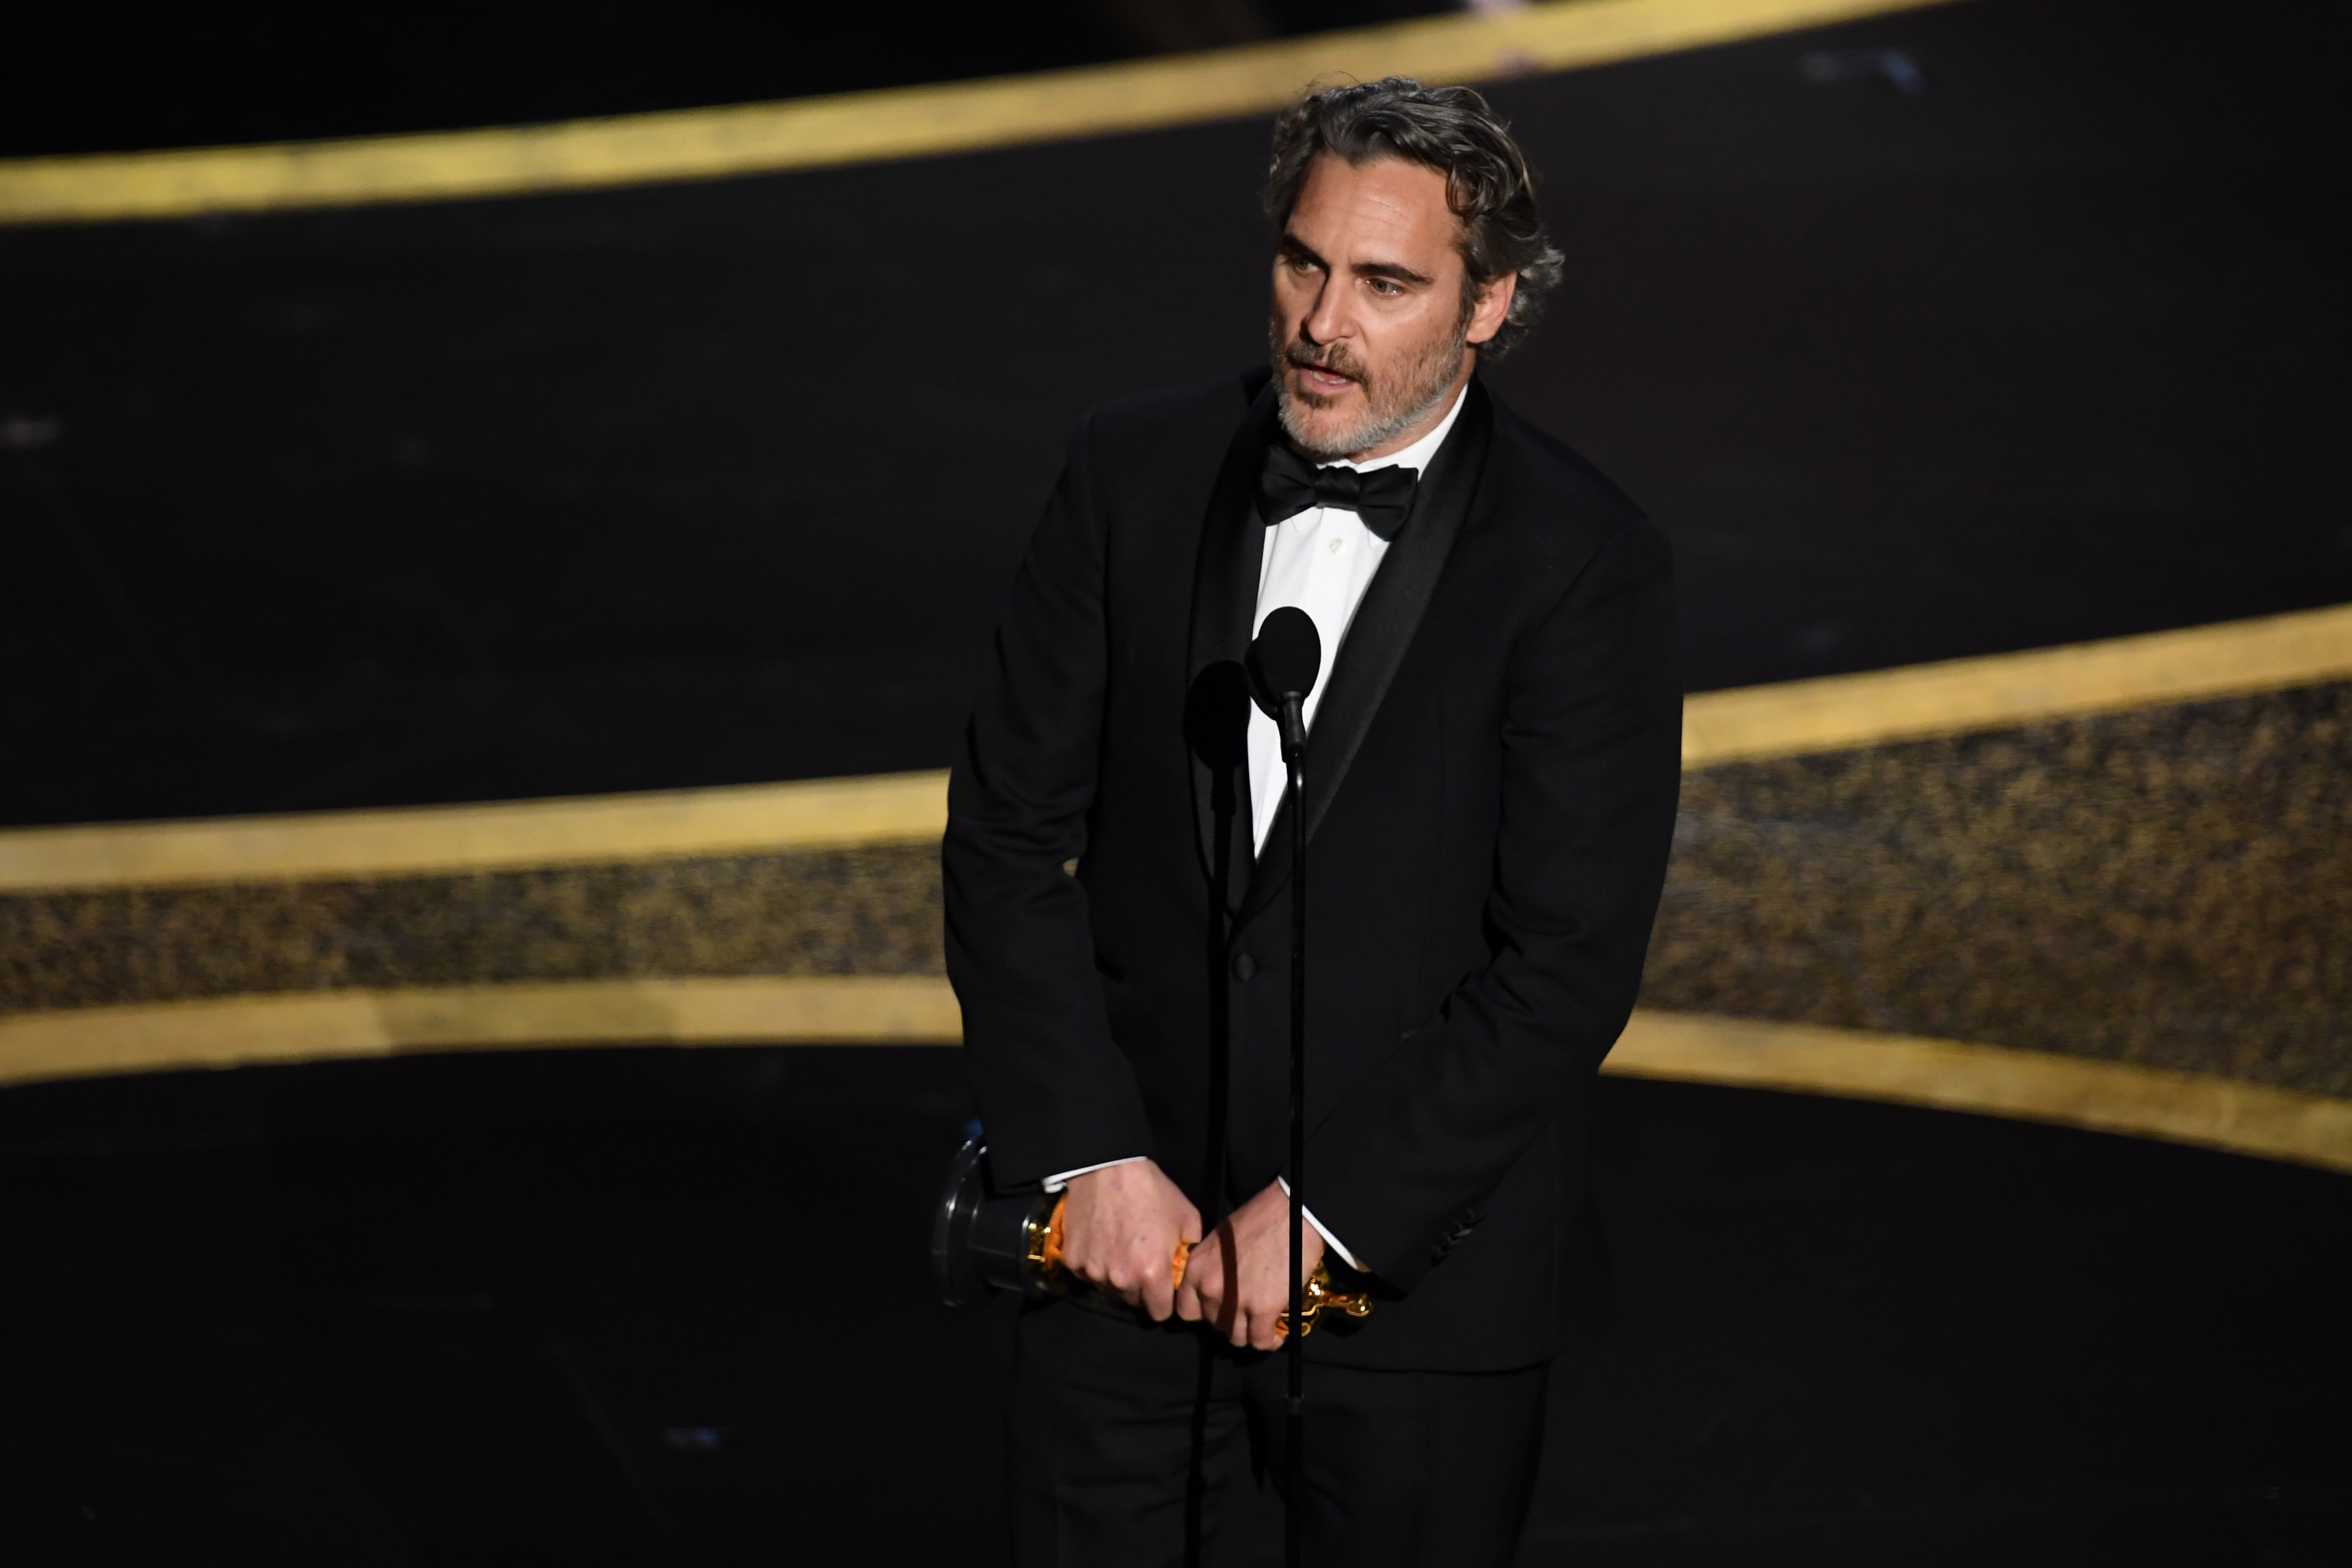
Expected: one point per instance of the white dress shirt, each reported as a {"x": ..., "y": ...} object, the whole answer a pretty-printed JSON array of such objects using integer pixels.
[{"x": 1322, "y": 561}]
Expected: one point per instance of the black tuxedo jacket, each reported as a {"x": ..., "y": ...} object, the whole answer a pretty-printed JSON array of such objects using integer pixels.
[{"x": 1492, "y": 778}]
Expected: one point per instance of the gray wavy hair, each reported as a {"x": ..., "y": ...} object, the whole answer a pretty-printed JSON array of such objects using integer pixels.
[{"x": 1488, "y": 181}]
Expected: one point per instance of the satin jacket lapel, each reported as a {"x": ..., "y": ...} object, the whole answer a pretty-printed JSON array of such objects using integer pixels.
[
  {"x": 1224, "y": 599},
  {"x": 1378, "y": 638}
]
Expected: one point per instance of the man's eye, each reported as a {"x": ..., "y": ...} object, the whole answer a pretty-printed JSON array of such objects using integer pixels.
[{"x": 1385, "y": 288}]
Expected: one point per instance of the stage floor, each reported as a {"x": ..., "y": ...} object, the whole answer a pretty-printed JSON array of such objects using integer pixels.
[{"x": 643, "y": 1307}]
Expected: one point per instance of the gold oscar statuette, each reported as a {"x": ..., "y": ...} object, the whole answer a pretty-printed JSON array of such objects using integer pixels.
[{"x": 1044, "y": 1238}]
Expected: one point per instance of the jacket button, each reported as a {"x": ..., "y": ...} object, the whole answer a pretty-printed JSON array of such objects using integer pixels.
[{"x": 1243, "y": 966}]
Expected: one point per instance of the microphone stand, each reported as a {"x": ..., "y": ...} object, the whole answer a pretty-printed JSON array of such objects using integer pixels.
[
  {"x": 1221, "y": 742},
  {"x": 1294, "y": 747},
  {"x": 1285, "y": 662}
]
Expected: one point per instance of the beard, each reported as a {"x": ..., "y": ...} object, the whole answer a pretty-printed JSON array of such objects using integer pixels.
[{"x": 1394, "y": 401}]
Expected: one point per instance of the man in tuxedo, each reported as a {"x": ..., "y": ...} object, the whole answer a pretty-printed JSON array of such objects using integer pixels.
[{"x": 1491, "y": 771}]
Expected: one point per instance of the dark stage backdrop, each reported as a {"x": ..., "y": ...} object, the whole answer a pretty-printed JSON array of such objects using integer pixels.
[
  {"x": 119, "y": 76},
  {"x": 723, "y": 482}
]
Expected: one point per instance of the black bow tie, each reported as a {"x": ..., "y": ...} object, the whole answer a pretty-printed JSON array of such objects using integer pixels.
[{"x": 1291, "y": 485}]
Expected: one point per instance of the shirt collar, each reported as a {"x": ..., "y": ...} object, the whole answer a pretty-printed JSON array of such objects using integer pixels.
[{"x": 1421, "y": 452}]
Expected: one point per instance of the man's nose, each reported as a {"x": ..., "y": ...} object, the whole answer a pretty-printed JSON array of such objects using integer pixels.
[{"x": 1326, "y": 321}]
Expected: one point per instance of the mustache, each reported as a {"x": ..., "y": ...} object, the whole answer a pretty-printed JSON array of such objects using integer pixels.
[{"x": 1334, "y": 360}]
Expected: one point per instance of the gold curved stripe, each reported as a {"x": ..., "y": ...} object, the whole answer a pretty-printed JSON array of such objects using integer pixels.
[
  {"x": 890, "y": 808},
  {"x": 863, "y": 127},
  {"x": 1990, "y": 1080},
  {"x": 1791, "y": 719},
  {"x": 2110, "y": 1097},
  {"x": 239, "y": 1031},
  {"x": 1840, "y": 712}
]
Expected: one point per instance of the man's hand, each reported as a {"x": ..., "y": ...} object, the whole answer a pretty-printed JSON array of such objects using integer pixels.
[
  {"x": 1120, "y": 1229},
  {"x": 1239, "y": 1280}
]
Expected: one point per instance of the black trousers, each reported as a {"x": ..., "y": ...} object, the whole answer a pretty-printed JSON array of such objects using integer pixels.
[{"x": 1134, "y": 1446}]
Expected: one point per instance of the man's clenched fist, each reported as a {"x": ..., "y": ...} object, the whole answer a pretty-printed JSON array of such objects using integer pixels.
[
  {"x": 1120, "y": 1229},
  {"x": 1240, "y": 1282}
]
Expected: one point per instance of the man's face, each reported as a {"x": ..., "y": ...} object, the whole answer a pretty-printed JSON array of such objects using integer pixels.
[{"x": 1369, "y": 330}]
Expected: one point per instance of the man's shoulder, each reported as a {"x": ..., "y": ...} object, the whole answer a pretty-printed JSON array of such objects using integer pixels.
[
  {"x": 1553, "y": 513},
  {"x": 1555, "y": 484},
  {"x": 1169, "y": 422}
]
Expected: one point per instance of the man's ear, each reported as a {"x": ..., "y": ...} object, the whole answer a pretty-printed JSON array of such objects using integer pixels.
[{"x": 1494, "y": 304}]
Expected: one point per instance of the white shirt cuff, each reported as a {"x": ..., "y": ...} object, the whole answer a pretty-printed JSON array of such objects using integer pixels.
[
  {"x": 1333, "y": 1242},
  {"x": 1055, "y": 1183}
]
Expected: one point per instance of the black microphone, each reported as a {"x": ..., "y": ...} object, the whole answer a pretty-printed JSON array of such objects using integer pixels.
[
  {"x": 1283, "y": 665},
  {"x": 1216, "y": 717}
]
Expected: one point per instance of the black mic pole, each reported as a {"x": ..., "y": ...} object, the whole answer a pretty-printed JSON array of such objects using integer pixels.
[
  {"x": 1285, "y": 663},
  {"x": 1293, "y": 743}
]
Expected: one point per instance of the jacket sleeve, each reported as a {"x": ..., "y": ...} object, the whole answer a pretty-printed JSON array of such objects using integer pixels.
[
  {"x": 1591, "y": 769},
  {"x": 1054, "y": 1091}
]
